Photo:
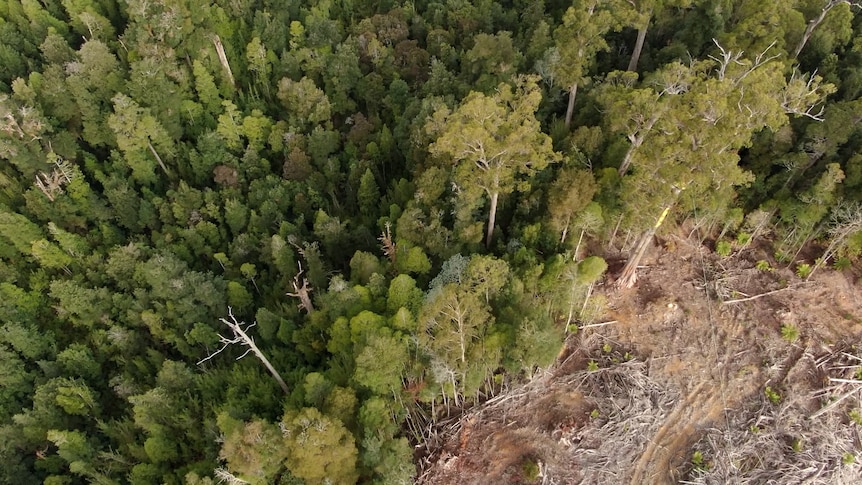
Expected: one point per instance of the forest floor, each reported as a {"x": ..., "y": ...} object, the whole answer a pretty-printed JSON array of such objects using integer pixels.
[{"x": 684, "y": 386}]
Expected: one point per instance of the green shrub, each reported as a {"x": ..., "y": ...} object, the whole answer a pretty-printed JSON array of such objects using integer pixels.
[
  {"x": 789, "y": 332},
  {"x": 842, "y": 263},
  {"x": 697, "y": 461},
  {"x": 723, "y": 248},
  {"x": 803, "y": 270},
  {"x": 772, "y": 395},
  {"x": 531, "y": 471},
  {"x": 763, "y": 265}
]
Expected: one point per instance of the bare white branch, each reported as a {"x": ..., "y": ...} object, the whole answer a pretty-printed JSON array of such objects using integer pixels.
[{"x": 241, "y": 337}]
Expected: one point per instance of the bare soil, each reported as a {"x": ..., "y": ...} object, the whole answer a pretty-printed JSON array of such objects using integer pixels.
[{"x": 681, "y": 385}]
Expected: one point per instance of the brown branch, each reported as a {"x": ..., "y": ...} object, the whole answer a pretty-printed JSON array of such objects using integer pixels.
[{"x": 739, "y": 300}]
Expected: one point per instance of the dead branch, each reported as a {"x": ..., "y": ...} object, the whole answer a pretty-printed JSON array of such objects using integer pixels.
[
  {"x": 223, "y": 58},
  {"x": 302, "y": 292},
  {"x": 803, "y": 94},
  {"x": 241, "y": 337},
  {"x": 761, "y": 295},
  {"x": 224, "y": 476},
  {"x": 389, "y": 248},
  {"x": 601, "y": 324},
  {"x": 52, "y": 184},
  {"x": 782, "y": 444}
]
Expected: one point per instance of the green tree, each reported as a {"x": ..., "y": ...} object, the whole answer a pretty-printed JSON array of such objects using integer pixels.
[
  {"x": 569, "y": 194},
  {"x": 139, "y": 135},
  {"x": 19, "y": 231},
  {"x": 306, "y": 104},
  {"x": 254, "y": 451},
  {"x": 50, "y": 255},
  {"x": 495, "y": 141},
  {"x": 639, "y": 14},
  {"x": 492, "y": 60},
  {"x": 320, "y": 449},
  {"x": 577, "y": 41},
  {"x": 381, "y": 362},
  {"x": 206, "y": 88},
  {"x": 259, "y": 63},
  {"x": 691, "y": 154},
  {"x": 368, "y": 194},
  {"x": 94, "y": 78},
  {"x": 452, "y": 325}
]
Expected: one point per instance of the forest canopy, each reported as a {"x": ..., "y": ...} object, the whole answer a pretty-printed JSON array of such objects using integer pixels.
[{"x": 271, "y": 241}]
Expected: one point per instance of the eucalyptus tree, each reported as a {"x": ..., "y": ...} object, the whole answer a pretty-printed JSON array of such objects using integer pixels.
[
  {"x": 495, "y": 142},
  {"x": 710, "y": 110},
  {"x": 826, "y": 6},
  {"x": 140, "y": 136},
  {"x": 577, "y": 41},
  {"x": 639, "y": 14}
]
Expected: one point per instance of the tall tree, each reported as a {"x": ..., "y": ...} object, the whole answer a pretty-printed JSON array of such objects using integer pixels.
[
  {"x": 93, "y": 80},
  {"x": 692, "y": 154},
  {"x": 577, "y": 41},
  {"x": 495, "y": 141},
  {"x": 139, "y": 135},
  {"x": 640, "y": 14},
  {"x": 320, "y": 449},
  {"x": 826, "y": 6}
]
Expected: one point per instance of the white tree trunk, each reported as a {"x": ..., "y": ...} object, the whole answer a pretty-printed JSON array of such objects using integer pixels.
[
  {"x": 158, "y": 158},
  {"x": 492, "y": 218},
  {"x": 639, "y": 45},
  {"x": 815, "y": 22}
]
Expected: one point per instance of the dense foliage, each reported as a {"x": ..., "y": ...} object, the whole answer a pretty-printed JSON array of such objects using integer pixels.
[{"x": 398, "y": 195}]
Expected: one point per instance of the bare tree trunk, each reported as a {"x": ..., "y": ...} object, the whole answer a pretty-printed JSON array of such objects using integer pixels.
[
  {"x": 158, "y": 158},
  {"x": 571, "y": 315},
  {"x": 578, "y": 246},
  {"x": 814, "y": 23},
  {"x": 627, "y": 160},
  {"x": 639, "y": 45},
  {"x": 222, "y": 57},
  {"x": 586, "y": 299},
  {"x": 614, "y": 234},
  {"x": 242, "y": 338},
  {"x": 302, "y": 292},
  {"x": 573, "y": 91},
  {"x": 629, "y": 275},
  {"x": 492, "y": 218},
  {"x": 250, "y": 342}
]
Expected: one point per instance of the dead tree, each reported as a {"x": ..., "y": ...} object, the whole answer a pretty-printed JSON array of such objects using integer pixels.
[
  {"x": 222, "y": 57},
  {"x": 241, "y": 337},
  {"x": 629, "y": 276},
  {"x": 302, "y": 292},
  {"x": 387, "y": 244},
  {"x": 52, "y": 184}
]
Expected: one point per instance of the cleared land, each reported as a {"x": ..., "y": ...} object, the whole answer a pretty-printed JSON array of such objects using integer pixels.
[{"x": 686, "y": 386}]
